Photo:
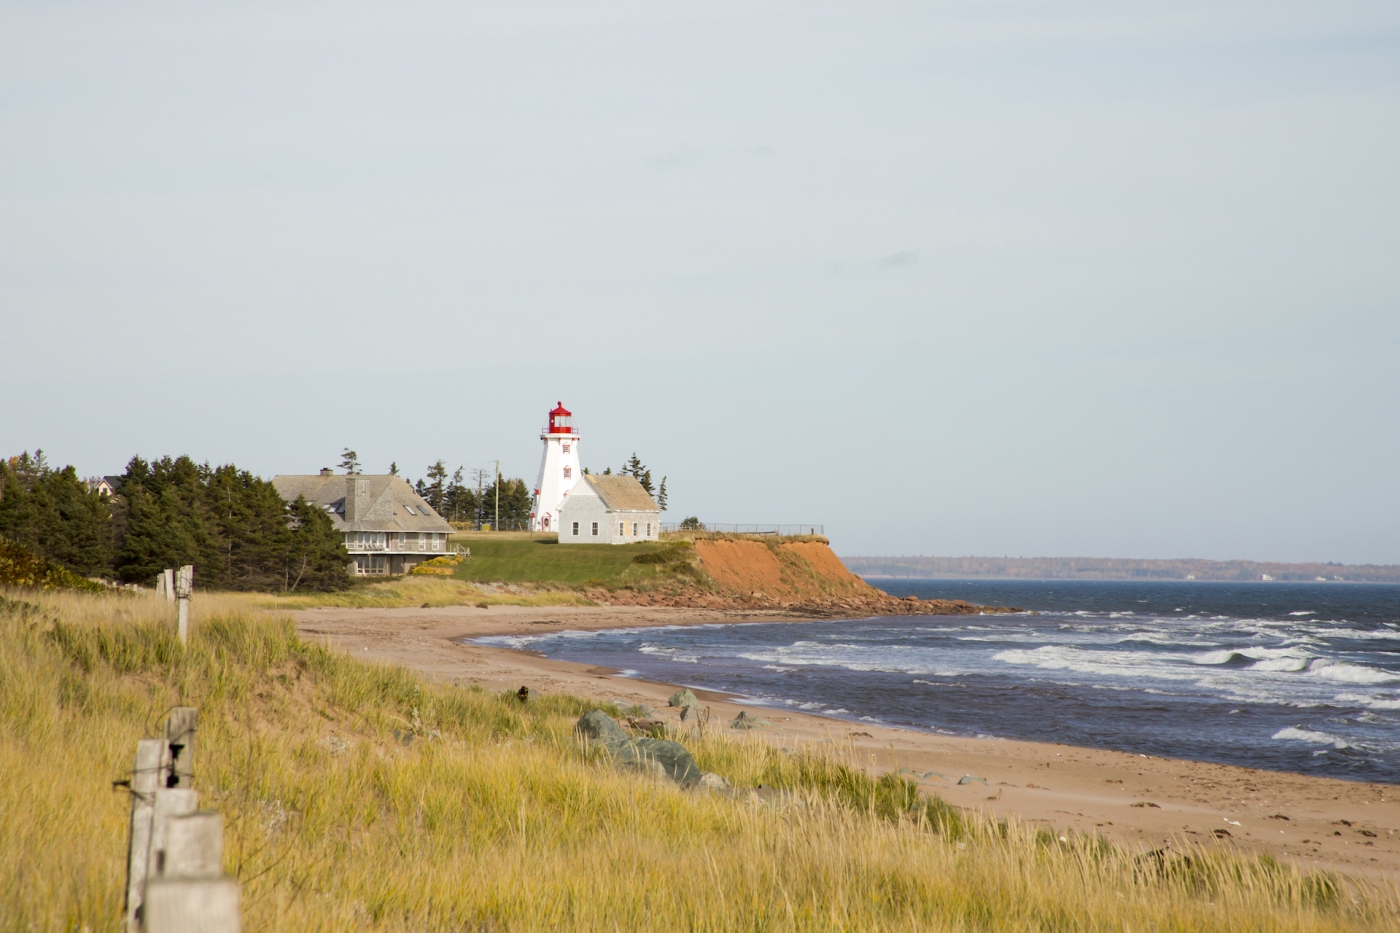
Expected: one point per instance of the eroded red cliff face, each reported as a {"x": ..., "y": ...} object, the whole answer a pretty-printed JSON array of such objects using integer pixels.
[{"x": 803, "y": 575}]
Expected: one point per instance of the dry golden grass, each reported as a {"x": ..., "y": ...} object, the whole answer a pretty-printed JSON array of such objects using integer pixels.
[
  {"x": 404, "y": 592},
  {"x": 491, "y": 818}
]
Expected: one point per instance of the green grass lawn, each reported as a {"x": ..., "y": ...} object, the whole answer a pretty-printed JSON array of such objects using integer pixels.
[{"x": 521, "y": 560}]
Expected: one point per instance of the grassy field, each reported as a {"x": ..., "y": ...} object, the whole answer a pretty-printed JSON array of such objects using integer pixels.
[
  {"x": 362, "y": 797},
  {"x": 403, "y": 592},
  {"x": 522, "y": 560}
]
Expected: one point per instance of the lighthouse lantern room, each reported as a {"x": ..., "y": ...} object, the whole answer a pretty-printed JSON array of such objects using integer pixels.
[{"x": 559, "y": 469}]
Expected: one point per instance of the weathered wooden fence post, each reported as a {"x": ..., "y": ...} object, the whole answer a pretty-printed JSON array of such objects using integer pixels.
[
  {"x": 165, "y": 585},
  {"x": 145, "y": 778},
  {"x": 184, "y": 584},
  {"x": 177, "y": 758},
  {"x": 175, "y": 861},
  {"x": 192, "y": 905},
  {"x": 170, "y": 804}
]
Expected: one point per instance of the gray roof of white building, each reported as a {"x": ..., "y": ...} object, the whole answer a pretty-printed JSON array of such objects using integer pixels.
[
  {"x": 621, "y": 493},
  {"x": 385, "y": 503}
]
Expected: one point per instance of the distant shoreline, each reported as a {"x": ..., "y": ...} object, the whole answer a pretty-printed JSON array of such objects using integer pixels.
[
  {"x": 1107, "y": 569},
  {"x": 1092, "y": 579}
]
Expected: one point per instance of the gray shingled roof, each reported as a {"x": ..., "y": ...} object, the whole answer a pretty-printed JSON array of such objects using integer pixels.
[
  {"x": 621, "y": 493},
  {"x": 384, "y": 505}
]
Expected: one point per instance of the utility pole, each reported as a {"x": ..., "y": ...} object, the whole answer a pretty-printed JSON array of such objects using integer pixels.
[
  {"x": 479, "y": 473},
  {"x": 497, "y": 525}
]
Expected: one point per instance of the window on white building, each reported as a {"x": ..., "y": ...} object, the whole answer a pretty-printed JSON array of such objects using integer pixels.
[
  {"x": 634, "y": 529},
  {"x": 622, "y": 528},
  {"x": 648, "y": 529},
  {"x": 595, "y": 529},
  {"x": 568, "y": 472},
  {"x": 575, "y": 529},
  {"x": 566, "y": 447}
]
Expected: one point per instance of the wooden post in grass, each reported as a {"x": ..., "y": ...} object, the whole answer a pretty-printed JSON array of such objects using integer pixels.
[
  {"x": 194, "y": 845},
  {"x": 170, "y": 804},
  {"x": 165, "y": 586},
  {"x": 192, "y": 905},
  {"x": 184, "y": 583},
  {"x": 145, "y": 778},
  {"x": 177, "y": 759}
]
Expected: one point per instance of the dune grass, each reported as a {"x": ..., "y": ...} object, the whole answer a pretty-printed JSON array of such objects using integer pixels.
[
  {"x": 359, "y": 796},
  {"x": 408, "y": 591}
]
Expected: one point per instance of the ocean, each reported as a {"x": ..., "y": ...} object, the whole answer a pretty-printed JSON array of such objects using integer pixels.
[{"x": 1298, "y": 677}]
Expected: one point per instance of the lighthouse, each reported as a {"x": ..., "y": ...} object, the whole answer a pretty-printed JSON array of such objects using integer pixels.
[{"x": 559, "y": 469}]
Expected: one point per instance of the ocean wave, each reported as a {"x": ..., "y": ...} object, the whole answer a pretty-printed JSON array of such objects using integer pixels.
[
  {"x": 1351, "y": 673},
  {"x": 1370, "y": 702},
  {"x": 1307, "y": 735},
  {"x": 1105, "y": 663}
]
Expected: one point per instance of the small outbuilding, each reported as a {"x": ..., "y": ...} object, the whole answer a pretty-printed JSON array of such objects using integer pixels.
[{"x": 608, "y": 510}]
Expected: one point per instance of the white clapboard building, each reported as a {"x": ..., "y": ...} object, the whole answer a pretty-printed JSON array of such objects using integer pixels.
[
  {"x": 608, "y": 510},
  {"x": 386, "y": 526},
  {"x": 559, "y": 469}
]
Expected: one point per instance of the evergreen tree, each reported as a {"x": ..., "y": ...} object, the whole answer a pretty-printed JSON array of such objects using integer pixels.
[
  {"x": 459, "y": 502},
  {"x": 435, "y": 487},
  {"x": 164, "y": 522},
  {"x": 55, "y": 514},
  {"x": 661, "y": 494},
  {"x": 393, "y": 468},
  {"x": 315, "y": 557},
  {"x": 350, "y": 461}
]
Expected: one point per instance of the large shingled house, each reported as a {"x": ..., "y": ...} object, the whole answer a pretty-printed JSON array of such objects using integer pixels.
[
  {"x": 388, "y": 528},
  {"x": 608, "y": 510}
]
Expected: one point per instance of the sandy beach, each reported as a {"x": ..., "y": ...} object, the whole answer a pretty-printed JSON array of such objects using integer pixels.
[{"x": 1138, "y": 800}]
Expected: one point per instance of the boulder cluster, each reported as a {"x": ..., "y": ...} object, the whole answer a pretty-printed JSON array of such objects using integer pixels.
[{"x": 658, "y": 758}]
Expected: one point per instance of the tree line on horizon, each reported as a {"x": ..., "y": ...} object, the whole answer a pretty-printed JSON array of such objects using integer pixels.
[{"x": 232, "y": 526}]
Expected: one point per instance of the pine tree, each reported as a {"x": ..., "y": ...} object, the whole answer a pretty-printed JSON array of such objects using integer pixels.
[
  {"x": 458, "y": 499},
  {"x": 661, "y": 494},
  {"x": 315, "y": 556},
  {"x": 394, "y": 468},
  {"x": 55, "y": 514},
  {"x": 437, "y": 475},
  {"x": 645, "y": 480},
  {"x": 350, "y": 461}
]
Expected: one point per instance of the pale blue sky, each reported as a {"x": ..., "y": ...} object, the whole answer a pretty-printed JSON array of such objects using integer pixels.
[{"x": 1039, "y": 278}]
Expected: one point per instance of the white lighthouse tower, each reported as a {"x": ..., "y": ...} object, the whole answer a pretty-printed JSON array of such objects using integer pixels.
[{"x": 559, "y": 469}]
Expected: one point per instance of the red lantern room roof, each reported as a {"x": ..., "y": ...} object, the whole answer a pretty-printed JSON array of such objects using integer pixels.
[{"x": 561, "y": 420}]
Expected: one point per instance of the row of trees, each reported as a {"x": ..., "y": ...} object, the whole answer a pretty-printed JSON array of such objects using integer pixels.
[{"x": 231, "y": 525}]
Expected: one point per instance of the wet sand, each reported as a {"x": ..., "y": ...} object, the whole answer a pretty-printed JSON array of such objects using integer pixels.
[{"x": 1142, "y": 801}]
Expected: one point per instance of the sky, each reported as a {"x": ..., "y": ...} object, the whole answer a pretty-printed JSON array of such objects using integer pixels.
[{"x": 995, "y": 278}]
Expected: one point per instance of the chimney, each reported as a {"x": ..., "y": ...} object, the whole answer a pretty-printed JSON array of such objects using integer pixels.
[
  {"x": 357, "y": 501},
  {"x": 326, "y": 471}
]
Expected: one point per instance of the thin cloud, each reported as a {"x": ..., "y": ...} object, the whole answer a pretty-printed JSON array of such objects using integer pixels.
[{"x": 896, "y": 260}]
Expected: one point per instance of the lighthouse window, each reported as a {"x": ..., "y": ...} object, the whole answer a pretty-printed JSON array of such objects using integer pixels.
[
  {"x": 568, "y": 472},
  {"x": 566, "y": 448}
]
